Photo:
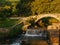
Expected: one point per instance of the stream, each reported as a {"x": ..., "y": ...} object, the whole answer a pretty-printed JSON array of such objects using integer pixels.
[{"x": 17, "y": 41}]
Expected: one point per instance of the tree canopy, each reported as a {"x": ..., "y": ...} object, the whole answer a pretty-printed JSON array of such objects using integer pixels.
[
  {"x": 35, "y": 7},
  {"x": 32, "y": 7}
]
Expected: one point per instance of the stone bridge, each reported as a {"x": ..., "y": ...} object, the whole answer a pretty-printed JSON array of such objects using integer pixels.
[
  {"x": 56, "y": 16},
  {"x": 37, "y": 17}
]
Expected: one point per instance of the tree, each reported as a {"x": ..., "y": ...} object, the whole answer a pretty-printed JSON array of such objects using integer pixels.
[
  {"x": 2, "y": 2},
  {"x": 6, "y": 13},
  {"x": 35, "y": 7},
  {"x": 32, "y": 7},
  {"x": 8, "y": 3},
  {"x": 23, "y": 8}
]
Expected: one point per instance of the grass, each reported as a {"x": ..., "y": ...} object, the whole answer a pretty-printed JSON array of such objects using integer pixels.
[
  {"x": 12, "y": 32},
  {"x": 7, "y": 23}
]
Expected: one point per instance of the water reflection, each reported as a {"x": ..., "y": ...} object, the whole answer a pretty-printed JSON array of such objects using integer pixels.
[
  {"x": 16, "y": 43},
  {"x": 17, "y": 40}
]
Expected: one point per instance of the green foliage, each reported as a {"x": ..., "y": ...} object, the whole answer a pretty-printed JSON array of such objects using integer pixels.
[
  {"x": 35, "y": 7},
  {"x": 23, "y": 8},
  {"x": 7, "y": 23},
  {"x": 7, "y": 9},
  {"x": 1, "y": 35},
  {"x": 2, "y": 2},
  {"x": 31, "y": 7},
  {"x": 16, "y": 31},
  {"x": 6, "y": 13}
]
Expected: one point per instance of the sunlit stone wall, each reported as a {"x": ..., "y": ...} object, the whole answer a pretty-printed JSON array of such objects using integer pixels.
[{"x": 54, "y": 26}]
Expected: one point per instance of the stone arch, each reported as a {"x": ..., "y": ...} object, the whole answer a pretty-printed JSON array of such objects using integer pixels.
[{"x": 57, "y": 16}]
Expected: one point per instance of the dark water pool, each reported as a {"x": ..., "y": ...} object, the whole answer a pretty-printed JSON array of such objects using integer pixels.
[{"x": 17, "y": 41}]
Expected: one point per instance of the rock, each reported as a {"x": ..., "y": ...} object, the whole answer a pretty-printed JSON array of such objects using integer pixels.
[
  {"x": 55, "y": 44},
  {"x": 4, "y": 30}
]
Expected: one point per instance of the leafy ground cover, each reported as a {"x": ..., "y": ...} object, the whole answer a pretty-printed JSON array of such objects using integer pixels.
[{"x": 7, "y": 23}]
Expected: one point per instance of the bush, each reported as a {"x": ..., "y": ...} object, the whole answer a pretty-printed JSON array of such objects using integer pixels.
[
  {"x": 17, "y": 30},
  {"x": 12, "y": 33}
]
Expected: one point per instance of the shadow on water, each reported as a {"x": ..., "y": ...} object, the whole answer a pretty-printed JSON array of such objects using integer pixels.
[
  {"x": 10, "y": 41},
  {"x": 16, "y": 41}
]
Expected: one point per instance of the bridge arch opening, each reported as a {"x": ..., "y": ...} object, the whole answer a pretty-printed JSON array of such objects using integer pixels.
[
  {"x": 57, "y": 20},
  {"x": 56, "y": 16},
  {"x": 44, "y": 22}
]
